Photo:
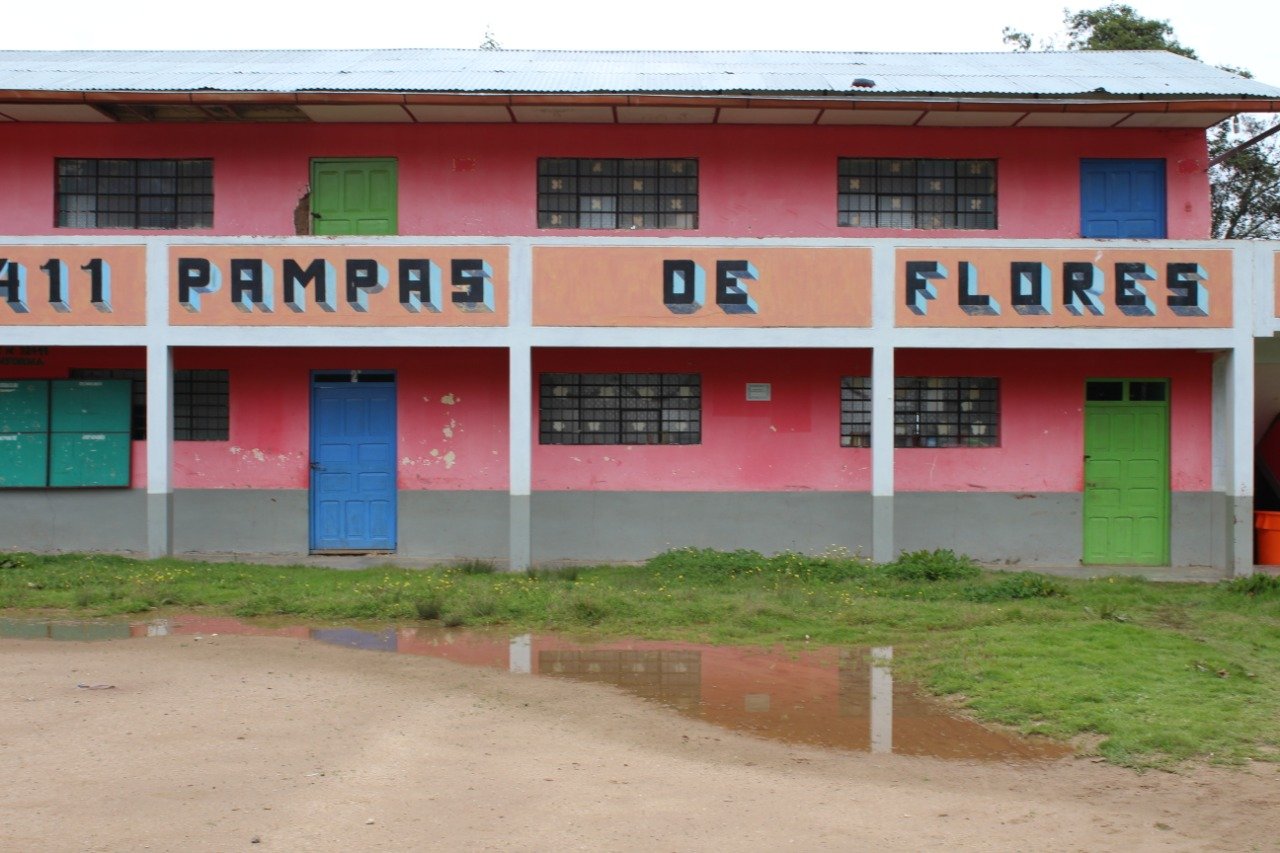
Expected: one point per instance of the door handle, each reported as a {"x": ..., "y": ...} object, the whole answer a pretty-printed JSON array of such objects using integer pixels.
[{"x": 315, "y": 466}]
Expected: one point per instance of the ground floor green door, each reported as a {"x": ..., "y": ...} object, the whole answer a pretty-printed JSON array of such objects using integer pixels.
[{"x": 1126, "y": 472}]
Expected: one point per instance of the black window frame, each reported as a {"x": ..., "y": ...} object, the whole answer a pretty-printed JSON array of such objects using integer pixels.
[
  {"x": 136, "y": 194},
  {"x": 593, "y": 408},
  {"x": 199, "y": 396},
  {"x": 617, "y": 194},
  {"x": 920, "y": 193},
  {"x": 928, "y": 411}
]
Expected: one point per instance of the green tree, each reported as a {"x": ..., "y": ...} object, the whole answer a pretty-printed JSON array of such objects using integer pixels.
[{"x": 1245, "y": 189}]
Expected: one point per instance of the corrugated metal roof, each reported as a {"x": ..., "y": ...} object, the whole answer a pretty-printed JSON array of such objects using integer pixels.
[{"x": 1061, "y": 74}]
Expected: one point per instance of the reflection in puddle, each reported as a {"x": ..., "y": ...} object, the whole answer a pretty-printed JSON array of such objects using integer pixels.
[{"x": 845, "y": 698}]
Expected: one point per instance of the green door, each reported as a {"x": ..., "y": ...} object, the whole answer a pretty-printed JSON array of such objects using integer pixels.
[
  {"x": 355, "y": 196},
  {"x": 1126, "y": 472}
]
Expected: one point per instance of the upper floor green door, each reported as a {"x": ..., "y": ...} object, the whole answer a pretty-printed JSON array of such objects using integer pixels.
[
  {"x": 1126, "y": 472},
  {"x": 353, "y": 196}
]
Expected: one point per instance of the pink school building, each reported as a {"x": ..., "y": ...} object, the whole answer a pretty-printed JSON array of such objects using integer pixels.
[{"x": 545, "y": 307}]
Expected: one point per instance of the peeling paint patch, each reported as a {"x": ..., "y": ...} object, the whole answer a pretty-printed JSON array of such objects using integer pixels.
[
  {"x": 448, "y": 432},
  {"x": 233, "y": 450},
  {"x": 426, "y": 399},
  {"x": 449, "y": 459},
  {"x": 258, "y": 455},
  {"x": 434, "y": 452},
  {"x": 449, "y": 399}
]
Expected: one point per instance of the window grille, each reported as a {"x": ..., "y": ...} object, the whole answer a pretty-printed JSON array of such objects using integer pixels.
[
  {"x": 620, "y": 408},
  {"x": 928, "y": 411},
  {"x": 201, "y": 401},
  {"x": 156, "y": 194},
  {"x": 888, "y": 193},
  {"x": 617, "y": 194}
]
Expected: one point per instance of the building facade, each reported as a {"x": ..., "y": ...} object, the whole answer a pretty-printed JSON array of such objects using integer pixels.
[{"x": 556, "y": 307}]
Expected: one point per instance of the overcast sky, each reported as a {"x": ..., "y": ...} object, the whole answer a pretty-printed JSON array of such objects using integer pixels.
[{"x": 1234, "y": 32}]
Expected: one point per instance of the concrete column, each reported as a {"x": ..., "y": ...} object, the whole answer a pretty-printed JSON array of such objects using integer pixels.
[
  {"x": 159, "y": 450},
  {"x": 520, "y": 396},
  {"x": 520, "y": 407},
  {"x": 882, "y": 488},
  {"x": 1240, "y": 462}
]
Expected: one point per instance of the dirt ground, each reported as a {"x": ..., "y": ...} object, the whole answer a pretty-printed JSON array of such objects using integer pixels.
[{"x": 278, "y": 744}]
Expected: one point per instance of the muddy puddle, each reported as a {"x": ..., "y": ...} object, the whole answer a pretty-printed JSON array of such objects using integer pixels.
[{"x": 830, "y": 697}]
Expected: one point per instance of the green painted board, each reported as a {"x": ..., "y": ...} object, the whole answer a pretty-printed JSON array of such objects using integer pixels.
[
  {"x": 353, "y": 196},
  {"x": 24, "y": 405},
  {"x": 91, "y": 405},
  {"x": 89, "y": 459},
  {"x": 24, "y": 460}
]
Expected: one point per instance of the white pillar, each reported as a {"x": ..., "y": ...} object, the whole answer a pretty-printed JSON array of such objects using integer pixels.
[
  {"x": 520, "y": 408},
  {"x": 520, "y": 397},
  {"x": 1240, "y": 466},
  {"x": 882, "y": 488},
  {"x": 159, "y": 450}
]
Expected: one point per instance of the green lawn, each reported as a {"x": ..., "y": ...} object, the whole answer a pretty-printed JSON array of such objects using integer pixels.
[{"x": 1153, "y": 673}]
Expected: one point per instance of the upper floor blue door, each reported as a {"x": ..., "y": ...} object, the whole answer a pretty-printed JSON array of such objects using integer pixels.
[
  {"x": 1122, "y": 198},
  {"x": 353, "y": 461}
]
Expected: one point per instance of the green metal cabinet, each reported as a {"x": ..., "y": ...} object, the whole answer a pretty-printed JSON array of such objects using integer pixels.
[
  {"x": 89, "y": 459},
  {"x": 24, "y": 460},
  {"x": 24, "y": 405},
  {"x": 97, "y": 405}
]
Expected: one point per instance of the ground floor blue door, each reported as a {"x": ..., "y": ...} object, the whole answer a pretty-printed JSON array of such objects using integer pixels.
[{"x": 353, "y": 461}]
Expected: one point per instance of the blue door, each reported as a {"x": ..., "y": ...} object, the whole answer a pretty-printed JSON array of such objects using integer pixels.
[
  {"x": 353, "y": 461},
  {"x": 1122, "y": 198}
]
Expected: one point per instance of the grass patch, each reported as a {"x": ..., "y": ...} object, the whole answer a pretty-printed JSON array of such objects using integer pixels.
[{"x": 1154, "y": 673}]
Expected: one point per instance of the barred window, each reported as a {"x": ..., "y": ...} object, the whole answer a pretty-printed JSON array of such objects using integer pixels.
[
  {"x": 885, "y": 193},
  {"x": 134, "y": 193},
  {"x": 201, "y": 401},
  {"x": 855, "y": 411},
  {"x": 617, "y": 194},
  {"x": 620, "y": 408},
  {"x": 928, "y": 411}
]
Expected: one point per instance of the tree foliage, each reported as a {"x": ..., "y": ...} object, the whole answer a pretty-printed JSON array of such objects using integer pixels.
[
  {"x": 1119, "y": 27},
  {"x": 1245, "y": 189}
]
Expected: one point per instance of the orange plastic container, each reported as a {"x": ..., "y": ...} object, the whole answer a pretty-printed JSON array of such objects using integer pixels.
[{"x": 1266, "y": 530}]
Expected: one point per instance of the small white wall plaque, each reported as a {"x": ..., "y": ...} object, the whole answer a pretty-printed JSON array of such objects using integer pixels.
[{"x": 759, "y": 392}]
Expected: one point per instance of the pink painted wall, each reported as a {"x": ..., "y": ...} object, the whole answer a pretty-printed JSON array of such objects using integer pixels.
[
  {"x": 1042, "y": 419},
  {"x": 451, "y": 408},
  {"x": 481, "y": 180},
  {"x": 792, "y": 443}
]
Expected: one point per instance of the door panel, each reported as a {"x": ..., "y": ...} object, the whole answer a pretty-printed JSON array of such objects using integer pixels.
[
  {"x": 1122, "y": 198},
  {"x": 1126, "y": 483},
  {"x": 353, "y": 460},
  {"x": 356, "y": 196}
]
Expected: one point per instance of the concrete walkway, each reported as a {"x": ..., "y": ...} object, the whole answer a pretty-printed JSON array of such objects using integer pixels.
[
  {"x": 1179, "y": 574},
  {"x": 350, "y": 562}
]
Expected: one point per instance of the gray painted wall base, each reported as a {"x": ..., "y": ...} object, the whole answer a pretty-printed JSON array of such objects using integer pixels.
[
  {"x": 631, "y": 526},
  {"x": 434, "y": 526},
  {"x": 1041, "y": 528},
  {"x": 1024, "y": 529},
  {"x": 73, "y": 520}
]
